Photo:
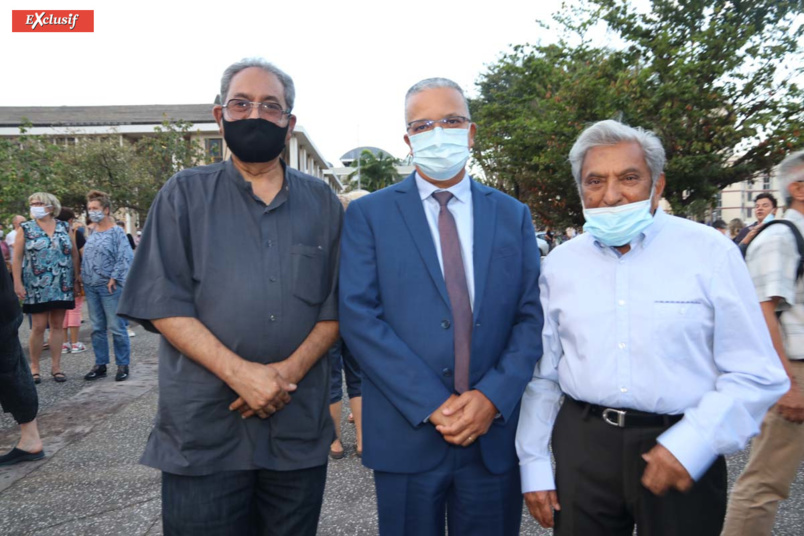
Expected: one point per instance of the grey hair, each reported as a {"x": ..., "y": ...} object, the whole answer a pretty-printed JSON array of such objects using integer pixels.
[
  {"x": 48, "y": 199},
  {"x": 284, "y": 78},
  {"x": 790, "y": 170},
  {"x": 610, "y": 132},
  {"x": 434, "y": 83}
]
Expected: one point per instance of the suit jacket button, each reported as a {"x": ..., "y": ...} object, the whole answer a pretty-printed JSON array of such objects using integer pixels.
[
  {"x": 445, "y": 324},
  {"x": 446, "y": 372}
]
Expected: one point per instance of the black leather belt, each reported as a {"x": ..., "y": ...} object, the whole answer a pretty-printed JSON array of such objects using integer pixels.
[{"x": 626, "y": 418}]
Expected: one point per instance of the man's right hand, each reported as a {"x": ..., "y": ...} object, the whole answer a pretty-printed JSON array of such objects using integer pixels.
[
  {"x": 263, "y": 391},
  {"x": 791, "y": 405},
  {"x": 541, "y": 505}
]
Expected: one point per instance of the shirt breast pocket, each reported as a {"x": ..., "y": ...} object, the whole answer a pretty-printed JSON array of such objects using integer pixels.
[
  {"x": 679, "y": 326},
  {"x": 309, "y": 273}
]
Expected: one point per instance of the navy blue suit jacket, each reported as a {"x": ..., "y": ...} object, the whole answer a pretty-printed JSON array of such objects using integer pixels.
[{"x": 395, "y": 316}]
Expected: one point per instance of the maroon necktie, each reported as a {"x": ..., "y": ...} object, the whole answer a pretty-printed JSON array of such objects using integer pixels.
[{"x": 455, "y": 278}]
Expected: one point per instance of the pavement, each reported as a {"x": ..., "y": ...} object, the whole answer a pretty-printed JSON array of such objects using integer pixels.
[{"x": 90, "y": 482}]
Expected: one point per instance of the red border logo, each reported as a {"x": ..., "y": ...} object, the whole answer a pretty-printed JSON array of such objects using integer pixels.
[{"x": 44, "y": 20}]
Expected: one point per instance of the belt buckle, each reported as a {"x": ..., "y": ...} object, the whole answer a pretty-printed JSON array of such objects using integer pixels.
[{"x": 619, "y": 422}]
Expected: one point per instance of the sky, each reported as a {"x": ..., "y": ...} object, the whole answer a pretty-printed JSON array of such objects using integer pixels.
[{"x": 352, "y": 60}]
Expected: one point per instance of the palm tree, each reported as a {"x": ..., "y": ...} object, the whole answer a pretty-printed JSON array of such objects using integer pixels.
[{"x": 374, "y": 172}]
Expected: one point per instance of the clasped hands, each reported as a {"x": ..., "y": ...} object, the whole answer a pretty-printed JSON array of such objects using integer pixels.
[
  {"x": 263, "y": 389},
  {"x": 462, "y": 419}
]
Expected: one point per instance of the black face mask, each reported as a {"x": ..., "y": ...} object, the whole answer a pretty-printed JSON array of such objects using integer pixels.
[{"x": 254, "y": 140}]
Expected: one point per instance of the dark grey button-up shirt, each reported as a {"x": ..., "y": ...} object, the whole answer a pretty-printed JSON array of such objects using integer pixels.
[{"x": 259, "y": 278}]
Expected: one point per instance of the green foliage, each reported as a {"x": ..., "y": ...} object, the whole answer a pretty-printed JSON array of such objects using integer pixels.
[
  {"x": 161, "y": 156},
  {"x": 28, "y": 164},
  {"x": 376, "y": 172},
  {"x": 712, "y": 78},
  {"x": 132, "y": 172}
]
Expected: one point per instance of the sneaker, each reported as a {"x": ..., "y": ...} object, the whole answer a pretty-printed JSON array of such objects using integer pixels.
[
  {"x": 65, "y": 348},
  {"x": 78, "y": 348},
  {"x": 131, "y": 334},
  {"x": 122, "y": 373},
  {"x": 98, "y": 371}
]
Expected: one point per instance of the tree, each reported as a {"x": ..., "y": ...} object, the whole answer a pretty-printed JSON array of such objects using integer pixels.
[
  {"x": 131, "y": 172},
  {"x": 161, "y": 156},
  {"x": 376, "y": 172},
  {"x": 28, "y": 164},
  {"x": 710, "y": 77},
  {"x": 108, "y": 163}
]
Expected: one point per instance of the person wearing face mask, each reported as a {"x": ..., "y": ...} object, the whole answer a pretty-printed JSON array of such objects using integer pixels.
[
  {"x": 46, "y": 277},
  {"x": 105, "y": 263},
  {"x": 439, "y": 303},
  {"x": 237, "y": 269},
  {"x": 655, "y": 339}
]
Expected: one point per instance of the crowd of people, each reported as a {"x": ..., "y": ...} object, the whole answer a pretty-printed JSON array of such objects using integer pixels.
[{"x": 639, "y": 352}]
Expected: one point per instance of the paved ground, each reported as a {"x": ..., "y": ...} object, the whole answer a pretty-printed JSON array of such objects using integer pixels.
[{"x": 90, "y": 482}]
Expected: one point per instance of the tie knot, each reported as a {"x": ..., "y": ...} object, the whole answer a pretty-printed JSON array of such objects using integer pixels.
[{"x": 443, "y": 197}]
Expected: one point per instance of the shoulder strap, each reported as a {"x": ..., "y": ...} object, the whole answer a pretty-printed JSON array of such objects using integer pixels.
[{"x": 799, "y": 242}]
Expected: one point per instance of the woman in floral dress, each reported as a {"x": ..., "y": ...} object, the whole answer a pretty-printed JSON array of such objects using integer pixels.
[{"x": 46, "y": 269}]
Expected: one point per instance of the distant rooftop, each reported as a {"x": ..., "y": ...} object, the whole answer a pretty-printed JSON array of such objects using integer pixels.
[
  {"x": 78, "y": 116},
  {"x": 352, "y": 155}
]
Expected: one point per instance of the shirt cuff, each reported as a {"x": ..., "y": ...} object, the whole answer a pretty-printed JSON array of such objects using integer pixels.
[
  {"x": 689, "y": 448},
  {"x": 537, "y": 476}
]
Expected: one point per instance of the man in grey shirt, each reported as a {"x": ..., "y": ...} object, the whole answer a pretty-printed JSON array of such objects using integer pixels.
[{"x": 237, "y": 269}]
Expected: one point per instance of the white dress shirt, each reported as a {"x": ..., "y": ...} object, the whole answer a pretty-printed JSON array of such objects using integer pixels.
[
  {"x": 460, "y": 206},
  {"x": 671, "y": 327}
]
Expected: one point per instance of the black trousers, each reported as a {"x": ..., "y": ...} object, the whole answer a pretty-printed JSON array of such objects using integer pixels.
[
  {"x": 598, "y": 473},
  {"x": 17, "y": 390},
  {"x": 243, "y": 503}
]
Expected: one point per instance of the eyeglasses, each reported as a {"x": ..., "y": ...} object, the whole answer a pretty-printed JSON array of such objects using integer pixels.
[
  {"x": 39, "y": 204},
  {"x": 425, "y": 125},
  {"x": 241, "y": 109}
]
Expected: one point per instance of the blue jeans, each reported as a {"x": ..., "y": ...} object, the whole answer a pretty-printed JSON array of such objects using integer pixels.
[{"x": 103, "y": 314}]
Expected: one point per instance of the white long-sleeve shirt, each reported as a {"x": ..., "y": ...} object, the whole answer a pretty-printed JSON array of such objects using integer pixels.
[{"x": 671, "y": 327}]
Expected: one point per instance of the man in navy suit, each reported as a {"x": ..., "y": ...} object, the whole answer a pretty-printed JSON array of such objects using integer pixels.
[{"x": 439, "y": 302}]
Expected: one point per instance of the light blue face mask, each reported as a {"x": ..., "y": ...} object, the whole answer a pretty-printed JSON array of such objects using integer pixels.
[
  {"x": 441, "y": 153},
  {"x": 617, "y": 226}
]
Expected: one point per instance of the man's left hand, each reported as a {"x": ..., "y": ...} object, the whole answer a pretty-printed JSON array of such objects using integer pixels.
[
  {"x": 112, "y": 285},
  {"x": 478, "y": 414},
  {"x": 664, "y": 472}
]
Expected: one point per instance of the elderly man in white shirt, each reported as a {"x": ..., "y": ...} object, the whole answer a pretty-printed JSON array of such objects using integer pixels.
[{"x": 654, "y": 337}]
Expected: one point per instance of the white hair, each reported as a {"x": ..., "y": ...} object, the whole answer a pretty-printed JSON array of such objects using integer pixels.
[
  {"x": 790, "y": 170},
  {"x": 284, "y": 78},
  {"x": 610, "y": 132}
]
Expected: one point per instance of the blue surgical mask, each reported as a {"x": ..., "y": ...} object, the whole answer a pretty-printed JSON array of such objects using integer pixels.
[
  {"x": 441, "y": 153},
  {"x": 96, "y": 215},
  {"x": 617, "y": 226},
  {"x": 769, "y": 218}
]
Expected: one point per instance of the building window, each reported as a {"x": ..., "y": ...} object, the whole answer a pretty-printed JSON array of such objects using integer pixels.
[{"x": 214, "y": 148}]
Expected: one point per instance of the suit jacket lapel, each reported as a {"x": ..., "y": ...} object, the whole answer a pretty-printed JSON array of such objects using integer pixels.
[
  {"x": 485, "y": 222},
  {"x": 410, "y": 205}
]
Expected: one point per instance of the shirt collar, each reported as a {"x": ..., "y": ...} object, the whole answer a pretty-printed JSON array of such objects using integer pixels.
[
  {"x": 462, "y": 191},
  {"x": 794, "y": 216},
  {"x": 234, "y": 174}
]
